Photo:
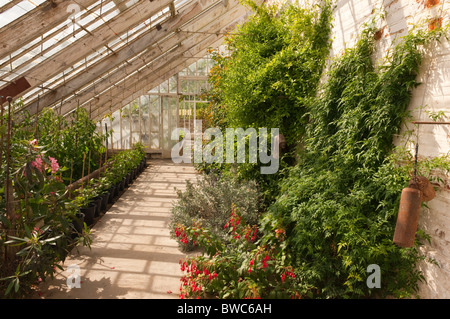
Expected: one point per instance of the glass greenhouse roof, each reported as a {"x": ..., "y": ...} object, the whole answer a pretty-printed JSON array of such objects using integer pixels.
[{"x": 82, "y": 35}]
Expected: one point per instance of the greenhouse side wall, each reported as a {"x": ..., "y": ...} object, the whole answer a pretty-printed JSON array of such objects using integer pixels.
[{"x": 431, "y": 97}]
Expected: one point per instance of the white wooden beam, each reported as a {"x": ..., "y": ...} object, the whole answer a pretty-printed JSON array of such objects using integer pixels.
[
  {"x": 35, "y": 23},
  {"x": 121, "y": 95},
  {"x": 94, "y": 41},
  {"x": 192, "y": 40},
  {"x": 184, "y": 19}
]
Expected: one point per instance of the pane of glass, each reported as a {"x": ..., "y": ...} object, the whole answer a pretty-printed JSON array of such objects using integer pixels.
[
  {"x": 154, "y": 113},
  {"x": 203, "y": 86},
  {"x": 144, "y": 104},
  {"x": 202, "y": 67},
  {"x": 115, "y": 127},
  {"x": 125, "y": 118},
  {"x": 191, "y": 69},
  {"x": 184, "y": 86},
  {"x": 135, "y": 122},
  {"x": 145, "y": 120},
  {"x": 154, "y": 141},
  {"x": 165, "y": 123},
  {"x": 154, "y": 90}
]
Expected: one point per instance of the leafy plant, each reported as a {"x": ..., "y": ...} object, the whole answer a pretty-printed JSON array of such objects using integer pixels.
[
  {"x": 75, "y": 143},
  {"x": 38, "y": 234},
  {"x": 340, "y": 201},
  {"x": 241, "y": 265},
  {"x": 268, "y": 79},
  {"x": 209, "y": 201}
]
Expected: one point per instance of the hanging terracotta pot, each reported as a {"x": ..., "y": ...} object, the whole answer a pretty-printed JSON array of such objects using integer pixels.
[
  {"x": 423, "y": 184},
  {"x": 408, "y": 217}
]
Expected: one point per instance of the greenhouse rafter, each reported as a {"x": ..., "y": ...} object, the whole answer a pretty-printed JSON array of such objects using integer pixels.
[
  {"x": 83, "y": 55},
  {"x": 177, "y": 57},
  {"x": 151, "y": 46}
]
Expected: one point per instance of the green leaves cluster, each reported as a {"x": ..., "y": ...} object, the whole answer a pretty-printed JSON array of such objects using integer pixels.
[
  {"x": 341, "y": 200},
  {"x": 275, "y": 64},
  {"x": 74, "y": 142},
  {"x": 269, "y": 79},
  {"x": 39, "y": 233},
  {"x": 209, "y": 202}
]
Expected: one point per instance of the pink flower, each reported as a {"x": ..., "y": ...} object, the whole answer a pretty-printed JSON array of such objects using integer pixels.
[
  {"x": 38, "y": 163},
  {"x": 54, "y": 165},
  {"x": 34, "y": 142}
]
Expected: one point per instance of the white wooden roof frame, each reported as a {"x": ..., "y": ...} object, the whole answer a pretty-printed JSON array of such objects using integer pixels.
[
  {"x": 157, "y": 56},
  {"x": 102, "y": 67},
  {"x": 143, "y": 84},
  {"x": 93, "y": 41},
  {"x": 141, "y": 44}
]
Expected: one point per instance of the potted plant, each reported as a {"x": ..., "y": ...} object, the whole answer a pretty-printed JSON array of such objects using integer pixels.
[
  {"x": 103, "y": 185},
  {"x": 84, "y": 201}
]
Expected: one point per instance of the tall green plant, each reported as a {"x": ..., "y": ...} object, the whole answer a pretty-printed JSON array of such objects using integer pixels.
[
  {"x": 268, "y": 79},
  {"x": 75, "y": 143},
  {"x": 37, "y": 235},
  {"x": 275, "y": 64}
]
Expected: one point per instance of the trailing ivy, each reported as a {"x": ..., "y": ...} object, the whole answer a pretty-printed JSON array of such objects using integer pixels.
[{"x": 340, "y": 202}]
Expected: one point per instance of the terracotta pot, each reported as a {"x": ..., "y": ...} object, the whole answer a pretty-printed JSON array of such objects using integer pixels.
[
  {"x": 408, "y": 217},
  {"x": 423, "y": 184}
]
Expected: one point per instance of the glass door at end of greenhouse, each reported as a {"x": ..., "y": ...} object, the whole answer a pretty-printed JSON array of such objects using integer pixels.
[
  {"x": 169, "y": 111},
  {"x": 163, "y": 119},
  {"x": 154, "y": 141}
]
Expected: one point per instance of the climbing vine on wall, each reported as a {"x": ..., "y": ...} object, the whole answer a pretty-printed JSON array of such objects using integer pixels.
[{"x": 339, "y": 203}]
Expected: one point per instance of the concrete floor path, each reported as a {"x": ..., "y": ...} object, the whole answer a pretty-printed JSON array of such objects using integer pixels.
[{"x": 132, "y": 254}]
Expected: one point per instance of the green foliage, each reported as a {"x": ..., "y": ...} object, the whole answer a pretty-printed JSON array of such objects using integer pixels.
[
  {"x": 240, "y": 265},
  {"x": 338, "y": 204},
  {"x": 275, "y": 64},
  {"x": 340, "y": 201},
  {"x": 123, "y": 163},
  {"x": 74, "y": 143},
  {"x": 37, "y": 235},
  {"x": 268, "y": 81}
]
